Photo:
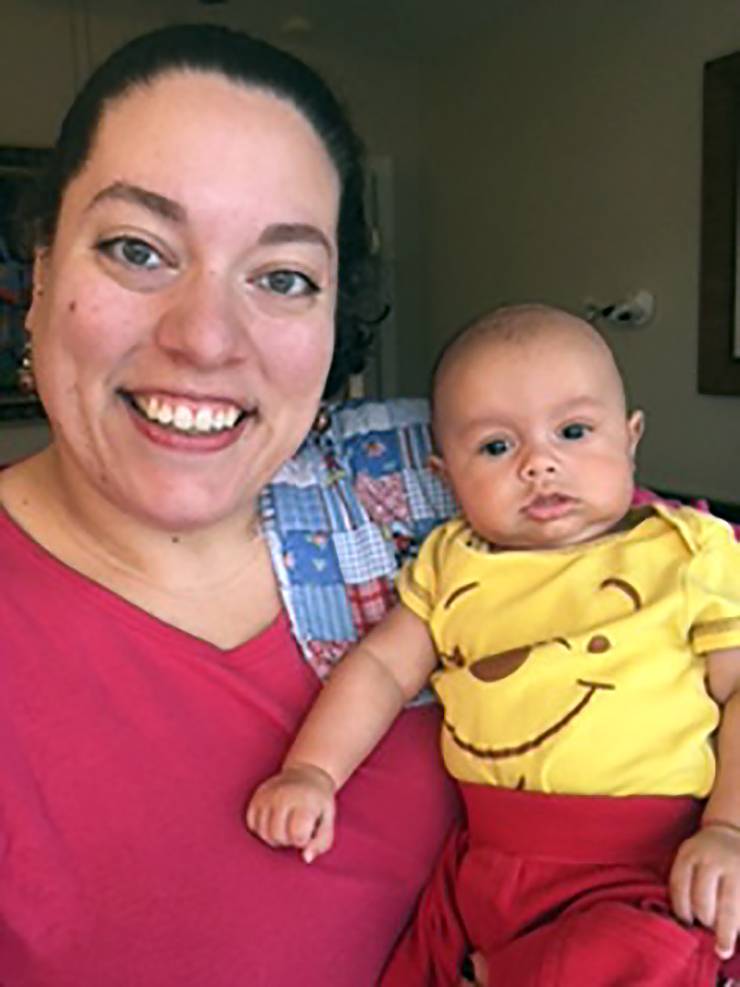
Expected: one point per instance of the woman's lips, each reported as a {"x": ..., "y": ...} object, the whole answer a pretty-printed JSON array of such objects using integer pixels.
[
  {"x": 186, "y": 415},
  {"x": 186, "y": 424}
]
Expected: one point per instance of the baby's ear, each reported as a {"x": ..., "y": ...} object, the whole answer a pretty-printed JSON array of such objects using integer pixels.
[
  {"x": 438, "y": 466},
  {"x": 635, "y": 430}
]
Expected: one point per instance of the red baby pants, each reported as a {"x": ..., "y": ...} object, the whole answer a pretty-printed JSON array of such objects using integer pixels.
[{"x": 558, "y": 891}]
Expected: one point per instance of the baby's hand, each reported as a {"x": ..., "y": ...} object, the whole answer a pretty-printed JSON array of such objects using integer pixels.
[
  {"x": 705, "y": 883},
  {"x": 295, "y": 808}
]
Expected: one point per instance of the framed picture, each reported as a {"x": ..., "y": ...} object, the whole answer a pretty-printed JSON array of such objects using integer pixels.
[
  {"x": 19, "y": 168},
  {"x": 719, "y": 282}
]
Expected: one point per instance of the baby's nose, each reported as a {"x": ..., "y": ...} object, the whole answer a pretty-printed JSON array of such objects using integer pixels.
[
  {"x": 537, "y": 466},
  {"x": 537, "y": 460}
]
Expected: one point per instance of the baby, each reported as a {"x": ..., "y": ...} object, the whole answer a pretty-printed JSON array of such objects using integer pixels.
[{"x": 582, "y": 652}]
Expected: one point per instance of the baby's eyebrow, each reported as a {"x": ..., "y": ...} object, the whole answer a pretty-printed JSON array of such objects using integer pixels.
[
  {"x": 581, "y": 402},
  {"x": 483, "y": 423}
]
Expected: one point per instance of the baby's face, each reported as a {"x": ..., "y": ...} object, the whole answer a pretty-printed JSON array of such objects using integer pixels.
[{"x": 534, "y": 439}]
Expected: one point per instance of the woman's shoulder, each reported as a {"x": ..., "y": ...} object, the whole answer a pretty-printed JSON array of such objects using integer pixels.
[
  {"x": 374, "y": 454},
  {"x": 364, "y": 462},
  {"x": 360, "y": 417},
  {"x": 345, "y": 512},
  {"x": 384, "y": 449}
]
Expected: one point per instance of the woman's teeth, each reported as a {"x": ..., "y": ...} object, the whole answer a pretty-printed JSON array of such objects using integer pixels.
[{"x": 183, "y": 418}]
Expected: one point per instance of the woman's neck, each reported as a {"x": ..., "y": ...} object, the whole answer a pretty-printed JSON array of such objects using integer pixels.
[
  {"x": 56, "y": 506},
  {"x": 215, "y": 582}
]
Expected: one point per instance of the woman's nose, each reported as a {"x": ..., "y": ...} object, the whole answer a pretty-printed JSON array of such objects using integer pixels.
[{"x": 203, "y": 325}]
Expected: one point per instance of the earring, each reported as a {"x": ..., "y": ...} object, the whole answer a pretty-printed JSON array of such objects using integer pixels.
[
  {"x": 25, "y": 378},
  {"x": 322, "y": 420}
]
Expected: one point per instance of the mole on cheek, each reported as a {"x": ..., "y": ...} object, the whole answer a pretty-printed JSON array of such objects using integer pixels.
[{"x": 72, "y": 306}]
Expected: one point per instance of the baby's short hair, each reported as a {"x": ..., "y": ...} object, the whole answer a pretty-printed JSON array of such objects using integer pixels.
[
  {"x": 515, "y": 324},
  {"x": 506, "y": 324}
]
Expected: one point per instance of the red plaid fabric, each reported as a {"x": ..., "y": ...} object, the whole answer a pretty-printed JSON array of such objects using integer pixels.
[{"x": 369, "y": 603}]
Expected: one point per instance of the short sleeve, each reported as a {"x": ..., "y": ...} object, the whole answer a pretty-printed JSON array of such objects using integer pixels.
[
  {"x": 418, "y": 581},
  {"x": 714, "y": 589}
]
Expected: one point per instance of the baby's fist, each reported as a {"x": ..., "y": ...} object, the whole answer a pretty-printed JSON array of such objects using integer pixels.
[{"x": 295, "y": 808}]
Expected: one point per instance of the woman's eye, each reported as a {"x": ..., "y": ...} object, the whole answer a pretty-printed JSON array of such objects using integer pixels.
[
  {"x": 496, "y": 447},
  {"x": 577, "y": 430},
  {"x": 289, "y": 284},
  {"x": 132, "y": 252}
]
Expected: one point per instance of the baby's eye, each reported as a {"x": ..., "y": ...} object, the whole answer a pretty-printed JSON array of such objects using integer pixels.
[
  {"x": 289, "y": 284},
  {"x": 574, "y": 431},
  {"x": 132, "y": 252},
  {"x": 496, "y": 447}
]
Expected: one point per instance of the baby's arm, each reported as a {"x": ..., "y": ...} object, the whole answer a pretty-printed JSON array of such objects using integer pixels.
[
  {"x": 364, "y": 695},
  {"x": 705, "y": 879}
]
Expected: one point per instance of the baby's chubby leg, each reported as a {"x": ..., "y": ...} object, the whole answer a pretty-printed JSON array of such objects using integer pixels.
[
  {"x": 432, "y": 951},
  {"x": 609, "y": 943}
]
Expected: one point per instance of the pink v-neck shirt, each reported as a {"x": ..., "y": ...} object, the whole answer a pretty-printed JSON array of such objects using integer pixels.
[{"x": 128, "y": 750}]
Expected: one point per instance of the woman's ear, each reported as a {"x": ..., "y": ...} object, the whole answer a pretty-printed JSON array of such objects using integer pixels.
[
  {"x": 635, "y": 431},
  {"x": 40, "y": 269}
]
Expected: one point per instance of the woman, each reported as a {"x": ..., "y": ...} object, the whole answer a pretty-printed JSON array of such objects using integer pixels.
[{"x": 191, "y": 549}]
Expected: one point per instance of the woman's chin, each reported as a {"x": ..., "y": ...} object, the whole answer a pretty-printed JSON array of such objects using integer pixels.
[
  {"x": 189, "y": 509},
  {"x": 173, "y": 501}
]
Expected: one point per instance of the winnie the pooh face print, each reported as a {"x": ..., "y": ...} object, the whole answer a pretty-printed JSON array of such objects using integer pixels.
[{"x": 515, "y": 715}]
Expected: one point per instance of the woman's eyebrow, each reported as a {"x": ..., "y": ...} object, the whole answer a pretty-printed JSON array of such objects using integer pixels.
[
  {"x": 274, "y": 234},
  {"x": 277, "y": 233},
  {"x": 124, "y": 191}
]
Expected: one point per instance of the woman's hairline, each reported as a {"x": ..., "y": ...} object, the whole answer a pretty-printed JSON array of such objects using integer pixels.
[{"x": 147, "y": 81}]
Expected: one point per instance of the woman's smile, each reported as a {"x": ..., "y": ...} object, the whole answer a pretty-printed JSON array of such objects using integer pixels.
[{"x": 187, "y": 425}]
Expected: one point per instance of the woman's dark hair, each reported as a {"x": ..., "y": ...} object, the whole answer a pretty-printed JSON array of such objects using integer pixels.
[{"x": 242, "y": 59}]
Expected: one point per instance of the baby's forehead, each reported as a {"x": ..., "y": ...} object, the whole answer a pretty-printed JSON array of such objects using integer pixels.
[
  {"x": 569, "y": 350},
  {"x": 557, "y": 337}
]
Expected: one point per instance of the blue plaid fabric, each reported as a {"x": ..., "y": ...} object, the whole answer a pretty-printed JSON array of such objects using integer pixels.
[{"x": 344, "y": 513}]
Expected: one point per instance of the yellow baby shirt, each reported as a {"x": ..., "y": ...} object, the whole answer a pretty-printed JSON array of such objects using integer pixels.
[{"x": 579, "y": 670}]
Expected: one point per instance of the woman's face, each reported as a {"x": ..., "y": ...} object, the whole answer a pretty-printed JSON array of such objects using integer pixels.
[{"x": 184, "y": 324}]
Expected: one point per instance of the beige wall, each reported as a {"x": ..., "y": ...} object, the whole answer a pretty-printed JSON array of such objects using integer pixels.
[
  {"x": 562, "y": 160},
  {"x": 556, "y": 157}
]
